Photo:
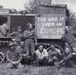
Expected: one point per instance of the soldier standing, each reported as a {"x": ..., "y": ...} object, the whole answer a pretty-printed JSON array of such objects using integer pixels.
[{"x": 29, "y": 36}]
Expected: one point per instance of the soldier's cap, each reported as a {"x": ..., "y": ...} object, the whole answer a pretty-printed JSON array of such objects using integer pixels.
[
  {"x": 41, "y": 45},
  {"x": 28, "y": 24},
  {"x": 18, "y": 27},
  {"x": 13, "y": 39},
  {"x": 11, "y": 44}
]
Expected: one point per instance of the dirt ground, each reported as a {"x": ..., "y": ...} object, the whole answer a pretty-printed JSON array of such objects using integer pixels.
[{"x": 34, "y": 70}]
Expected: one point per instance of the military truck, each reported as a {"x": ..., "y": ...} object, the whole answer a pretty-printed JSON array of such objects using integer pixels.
[
  {"x": 13, "y": 20},
  {"x": 49, "y": 22}
]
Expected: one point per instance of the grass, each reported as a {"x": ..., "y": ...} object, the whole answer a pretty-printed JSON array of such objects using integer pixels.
[{"x": 33, "y": 70}]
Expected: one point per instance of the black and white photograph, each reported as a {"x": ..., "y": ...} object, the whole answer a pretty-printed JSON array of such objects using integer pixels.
[{"x": 37, "y": 37}]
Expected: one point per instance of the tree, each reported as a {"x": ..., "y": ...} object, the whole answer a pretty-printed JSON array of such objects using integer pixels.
[
  {"x": 34, "y": 5},
  {"x": 72, "y": 20}
]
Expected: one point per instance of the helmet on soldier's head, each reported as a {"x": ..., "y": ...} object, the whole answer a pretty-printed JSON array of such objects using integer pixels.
[{"x": 18, "y": 27}]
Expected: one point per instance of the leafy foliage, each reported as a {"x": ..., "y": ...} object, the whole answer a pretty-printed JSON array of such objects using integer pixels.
[
  {"x": 34, "y": 4},
  {"x": 72, "y": 20}
]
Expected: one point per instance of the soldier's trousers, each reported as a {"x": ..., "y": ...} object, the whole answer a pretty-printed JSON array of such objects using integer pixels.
[
  {"x": 12, "y": 66},
  {"x": 29, "y": 43},
  {"x": 43, "y": 61},
  {"x": 26, "y": 60},
  {"x": 67, "y": 61}
]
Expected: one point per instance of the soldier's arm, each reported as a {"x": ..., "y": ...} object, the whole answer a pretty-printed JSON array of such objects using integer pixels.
[
  {"x": 35, "y": 38},
  {"x": 66, "y": 58},
  {"x": 27, "y": 52},
  {"x": 73, "y": 32},
  {"x": 13, "y": 34},
  {"x": 26, "y": 35},
  {"x": 8, "y": 57},
  {"x": 45, "y": 53},
  {"x": 19, "y": 59}
]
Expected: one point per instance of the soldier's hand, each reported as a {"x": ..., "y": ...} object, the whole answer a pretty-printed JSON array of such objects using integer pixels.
[
  {"x": 36, "y": 44},
  {"x": 24, "y": 55},
  {"x": 13, "y": 62},
  {"x": 74, "y": 53}
]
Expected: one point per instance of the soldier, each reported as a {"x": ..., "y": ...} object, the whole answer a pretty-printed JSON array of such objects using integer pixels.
[
  {"x": 30, "y": 39},
  {"x": 42, "y": 56},
  {"x": 17, "y": 35},
  {"x": 24, "y": 52},
  {"x": 68, "y": 55},
  {"x": 54, "y": 55},
  {"x": 68, "y": 37},
  {"x": 4, "y": 29},
  {"x": 13, "y": 57}
]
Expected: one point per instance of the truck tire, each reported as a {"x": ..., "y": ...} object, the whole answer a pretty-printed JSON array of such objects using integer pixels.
[{"x": 2, "y": 57}]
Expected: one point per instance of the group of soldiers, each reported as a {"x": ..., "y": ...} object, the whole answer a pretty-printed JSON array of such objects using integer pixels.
[{"x": 22, "y": 49}]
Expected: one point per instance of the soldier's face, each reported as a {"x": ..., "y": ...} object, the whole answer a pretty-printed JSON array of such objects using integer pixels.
[
  {"x": 67, "y": 50},
  {"x": 30, "y": 26},
  {"x": 12, "y": 48},
  {"x": 22, "y": 44},
  {"x": 41, "y": 48},
  {"x": 52, "y": 46},
  {"x": 19, "y": 29}
]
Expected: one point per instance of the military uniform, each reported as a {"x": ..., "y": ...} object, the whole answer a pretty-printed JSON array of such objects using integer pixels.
[
  {"x": 25, "y": 54},
  {"x": 14, "y": 58},
  {"x": 54, "y": 55},
  {"x": 29, "y": 36}
]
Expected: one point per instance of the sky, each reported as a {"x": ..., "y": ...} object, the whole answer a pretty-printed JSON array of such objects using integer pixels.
[{"x": 19, "y": 4}]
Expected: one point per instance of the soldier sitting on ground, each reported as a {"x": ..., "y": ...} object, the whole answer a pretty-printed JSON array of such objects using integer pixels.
[
  {"x": 68, "y": 56},
  {"x": 24, "y": 52},
  {"x": 13, "y": 57},
  {"x": 54, "y": 55},
  {"x": 42, "y": 55}
]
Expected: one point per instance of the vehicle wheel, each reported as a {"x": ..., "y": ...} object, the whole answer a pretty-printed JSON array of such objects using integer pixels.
[{"x": 2, "y": 57}]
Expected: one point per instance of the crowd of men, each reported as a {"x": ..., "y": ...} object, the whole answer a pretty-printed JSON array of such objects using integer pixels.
[{"x": 22, "y": 49}]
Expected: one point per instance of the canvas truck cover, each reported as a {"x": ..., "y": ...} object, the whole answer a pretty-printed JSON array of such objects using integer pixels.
[{"x": 50, "y": 22}]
